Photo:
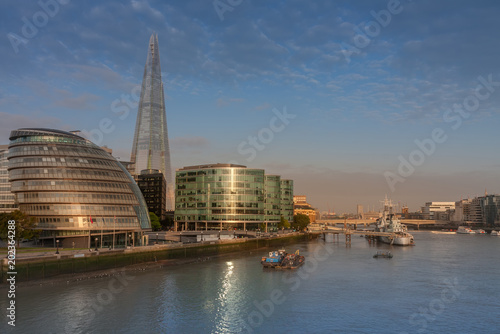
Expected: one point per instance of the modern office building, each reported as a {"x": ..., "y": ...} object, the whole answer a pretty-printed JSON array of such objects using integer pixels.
[
  {"x": 272, "y": 198},
  {"x": 79, "y": 194},
  {"x": 490, "y": 208},
  {"x": 153, "y": 187},
  {"x": 287, "y": 199},
  {"x": 150, "y": 148},
  {"x": 229, "y": 196},
  {"x": 7, "y": 200}
]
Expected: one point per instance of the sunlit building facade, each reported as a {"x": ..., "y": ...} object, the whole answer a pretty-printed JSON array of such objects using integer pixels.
[
  {"x": 77, "y": 192},
  {"x": 227, "y": 196},
  {"x": 150, "y": 148},
  {"x": 7, "y": 200}
]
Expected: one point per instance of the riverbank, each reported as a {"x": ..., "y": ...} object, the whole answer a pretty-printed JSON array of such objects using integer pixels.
[{"x": 79, "y": 265}]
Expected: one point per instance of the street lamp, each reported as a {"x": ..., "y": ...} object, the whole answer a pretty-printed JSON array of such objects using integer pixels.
[
  {"x": 130, "y": 236},
  {"x": 57, "y": 249},
  {"x": 157, "y": 238},
  {"x": 96, "y": 244}
]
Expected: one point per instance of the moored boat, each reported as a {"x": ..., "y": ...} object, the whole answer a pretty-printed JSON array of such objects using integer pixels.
[
  {"x": 497, "y": 233},
  {"x": 390, "y": 224},
  {"x": 282, "y": 260},
  {"x": 465, "y": 230},
  {"x": 480, "y": 231},
  {"x": 381, "y": 254}
]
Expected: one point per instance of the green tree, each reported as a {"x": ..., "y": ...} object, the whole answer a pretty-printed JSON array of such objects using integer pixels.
[
  {"x": 25, "y": 226},
  {"x": 300, "y": 221},
  {"x": 167, "y": 223},
  {"x": 283, "y": 223},
  {"x": 155, "y": 221}
]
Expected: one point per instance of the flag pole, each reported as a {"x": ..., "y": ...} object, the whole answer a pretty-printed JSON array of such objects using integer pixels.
[{"x": 114, "y": 227}]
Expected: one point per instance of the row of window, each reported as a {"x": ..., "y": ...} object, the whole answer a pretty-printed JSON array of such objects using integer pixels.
[
  {"x": 65, "y": 172},
  {"x": 219, "y": 198},
  {"x": 221, "y": 218},
  {"x": 50, "y": 139},
  {"x": 75, "y": 196},
  {"x": 53, "y": 160},
  {"x": 78, "y": 209},
  {"x": 68, "y": 185},
  {"x": 221, "y": 171},
  {"x": 54, "y": 150}
]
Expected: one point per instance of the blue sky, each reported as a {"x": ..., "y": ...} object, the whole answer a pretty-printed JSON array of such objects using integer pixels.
[{"x": 358, "y": 91}]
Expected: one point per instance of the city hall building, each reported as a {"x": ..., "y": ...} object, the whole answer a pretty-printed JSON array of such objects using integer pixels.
[
  {"x": 78, "y": 193},
  {"x": 229, "y": 196}
]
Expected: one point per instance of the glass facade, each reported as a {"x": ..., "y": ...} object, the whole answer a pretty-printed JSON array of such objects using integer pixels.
[
  {"x": 152, "y": 184},
  {"x": 490, "y": 208},
  {"x": 7, "y": 200},
  {"x": 226, "y": 196},
  {"x": 72, "y": 186},
  {"x": 287, "y": 199},
  {"x": 150, "y": 148},
  {"x": 272, "y": 185}
]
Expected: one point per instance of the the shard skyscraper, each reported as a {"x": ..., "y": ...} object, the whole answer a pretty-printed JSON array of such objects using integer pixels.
[{"x": 150, "y": 148}]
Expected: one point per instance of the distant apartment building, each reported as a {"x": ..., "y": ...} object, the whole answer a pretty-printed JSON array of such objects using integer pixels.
[
  {"x": 359, "y": 211},
  {"x": 300, "y": 206},
  {"x": 490, "y": 209},
  {"x": 7, "y": 199},
  {"x": 430, "y": 210},
  {"x": 462, "y": 211},
  {"x": 228, "y": 196},
  {"x": 475, "y": 212}
]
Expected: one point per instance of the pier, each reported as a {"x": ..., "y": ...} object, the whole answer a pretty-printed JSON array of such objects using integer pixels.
[{"x": 348, "y": 232}]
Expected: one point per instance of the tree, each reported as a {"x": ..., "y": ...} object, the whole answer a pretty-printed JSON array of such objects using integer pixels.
[
  {"x": 167, "y": 223},
  {"x": 155, "y": 221},
  {"x": 300, "y": 221},
  {"x": 283, "y": 223},
  {"x": 25, "y": 226}
]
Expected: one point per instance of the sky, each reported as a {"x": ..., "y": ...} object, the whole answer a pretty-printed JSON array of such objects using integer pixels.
[{"x": 353, "y": 100}]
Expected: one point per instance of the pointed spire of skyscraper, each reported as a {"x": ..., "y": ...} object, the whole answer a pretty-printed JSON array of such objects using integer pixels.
[{"x": 150, "y": 148}]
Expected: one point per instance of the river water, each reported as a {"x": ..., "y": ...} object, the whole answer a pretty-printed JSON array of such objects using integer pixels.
[{"x": 444, "y": 284}]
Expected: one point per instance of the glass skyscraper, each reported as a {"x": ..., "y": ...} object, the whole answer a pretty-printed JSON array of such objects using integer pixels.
[{"x": 150, "y": 148}]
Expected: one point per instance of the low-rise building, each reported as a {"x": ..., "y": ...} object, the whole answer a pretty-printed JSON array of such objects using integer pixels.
[{"x": 300, "y": 206}]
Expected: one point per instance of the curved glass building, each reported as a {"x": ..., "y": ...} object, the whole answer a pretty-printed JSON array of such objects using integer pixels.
[
  {"x": 227, "y": 196},
  {"x": 78, "y": 193}
]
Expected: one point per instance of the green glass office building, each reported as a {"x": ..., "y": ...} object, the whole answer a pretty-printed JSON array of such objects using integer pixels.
[{"x": 227, "y": 196}]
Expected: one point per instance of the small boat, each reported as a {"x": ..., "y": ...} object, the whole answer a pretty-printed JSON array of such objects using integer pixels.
[
  {"x": 282, "y": 260},
  {"x": 497, "y": 233},
  {"x": 465, "y": 230},
  {"x": 480, "y": 231},
  {"x": 387, "y": 255}
]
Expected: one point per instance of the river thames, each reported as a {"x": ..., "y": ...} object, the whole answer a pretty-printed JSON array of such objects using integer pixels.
[{"x": 446, "y": 283}]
